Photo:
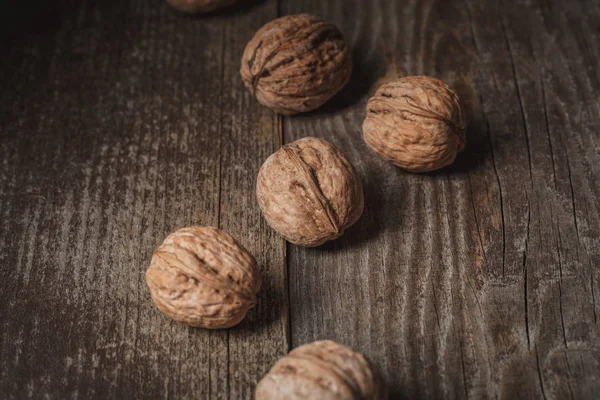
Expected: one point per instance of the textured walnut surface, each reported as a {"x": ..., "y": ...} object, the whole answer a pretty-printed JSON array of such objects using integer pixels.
[
  {"x": 309, "y": 192},
  {"x": 321, "y": 370},
  {"x": 296, "y": 63},
  {"x": 416, "y": 123},
  {"x": 201, "y": 276},
  {"x": 199, "y": 6}
]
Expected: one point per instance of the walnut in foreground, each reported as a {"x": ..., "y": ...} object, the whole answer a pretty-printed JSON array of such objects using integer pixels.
[
  {"x": 199, "y": 6},
  {"x": 296, "y": 63},
  {"x": 309, "y": 192},
  {"x": 201, "y": 276},
  {"x": 321, "y": 370},
  {"x": 416, "y": 123}
]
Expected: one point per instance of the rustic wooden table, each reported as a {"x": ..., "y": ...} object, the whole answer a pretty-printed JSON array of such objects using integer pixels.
[{"x": 122, "y": 121}]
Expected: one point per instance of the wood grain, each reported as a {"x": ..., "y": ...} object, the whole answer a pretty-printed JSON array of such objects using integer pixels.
[
  {"x": 123, "y": 121},
  {"x": 250, "y": 133},
  {"x": 121, "y": 126},
  {"x": 474, "y": 282}
]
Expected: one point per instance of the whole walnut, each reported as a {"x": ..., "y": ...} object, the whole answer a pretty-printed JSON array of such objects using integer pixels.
[
  {"x": 416, "y": 122},
  {"x": 309, "y": 192},
  {"x": 296, "y": 63},
  {"x": 201, "y": 276},
  {"x": 321, "y": 370},
  {"x": 199, "y": 6}
]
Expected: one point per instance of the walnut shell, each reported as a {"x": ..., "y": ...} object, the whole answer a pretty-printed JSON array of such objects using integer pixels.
[
  {"x": 309, "y": 192},
  {"x": 296, "y": 63},
  {"x": 321, "y": 370},
  {"x": 201, "y": 276},
  {"x": 416, "y": 122},
  {"x": 199, "y": 6}
]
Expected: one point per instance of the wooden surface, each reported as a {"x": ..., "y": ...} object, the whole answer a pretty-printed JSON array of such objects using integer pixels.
[{"x": 121, "y": 121}]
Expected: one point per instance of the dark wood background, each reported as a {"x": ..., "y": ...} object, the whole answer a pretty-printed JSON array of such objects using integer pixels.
[{"x": 122, "y": 121}]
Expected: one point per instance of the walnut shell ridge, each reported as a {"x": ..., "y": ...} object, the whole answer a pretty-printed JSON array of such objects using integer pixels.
[
  {"x": 321, "y": 370},
  {"x": 309, "y": 192},
  {"x": 199, "y": 6},
  {"x": 416, "y": 122},
  {"x": 202, "y": 277},
  {"x": 296, "y": 63}
]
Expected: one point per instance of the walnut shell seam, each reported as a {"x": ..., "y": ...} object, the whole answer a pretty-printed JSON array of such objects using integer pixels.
[
  {"x": 306, "y": 171},
  {"x": 418, "y": 111},
  {"x": 309, "y": 192},
  {"x": 416, "y": 122}
]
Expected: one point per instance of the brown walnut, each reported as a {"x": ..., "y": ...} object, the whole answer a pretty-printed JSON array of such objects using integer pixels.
[
  {"x": 199, "y": 6},
  {"x": 201, "y": 276},
  {"x": 296, "y": 63},
  {"x": 309, "y": 192},
  {"x": 416, "y": 122},
  {"x": 321, "y": 370}
]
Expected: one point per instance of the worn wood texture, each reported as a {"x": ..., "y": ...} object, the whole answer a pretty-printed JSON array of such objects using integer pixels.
[
  {"x": 477, "y": 281},
  {"x": 121, "y": 121}
]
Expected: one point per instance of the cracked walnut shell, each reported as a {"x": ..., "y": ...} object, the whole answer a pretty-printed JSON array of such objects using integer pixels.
[
  {"x": 416, "y": 122},
  {"x": 296, "y": 63},
  {"x": 321, "y": 370},
  {"x": 199, "y": 6},
  {"x": 202, "y": 277},
  {"x": 309, "y": 192}
]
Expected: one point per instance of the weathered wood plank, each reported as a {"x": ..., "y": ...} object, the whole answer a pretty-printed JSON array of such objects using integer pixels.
[
  {"x": 109, "y": 189},
  {"x": 401, "y": 286},
  {"x": 122, "y": 121},
  {"x": 458, "y": 283},
  {"x": 250, "y": 133},
  {"x": 111, "y": 130},
  {"x": 557, "y": 285}
]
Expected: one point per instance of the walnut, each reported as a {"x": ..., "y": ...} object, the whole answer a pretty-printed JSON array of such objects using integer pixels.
[
  {"x": 416, "y": 123},
  {"x": 321, "y": 370},
  {"x": 201, "y": 276},
  {"x": 199, "y": 6},
  {"x": 309, "y": 192},
  {"x": 296, "y": 63}
]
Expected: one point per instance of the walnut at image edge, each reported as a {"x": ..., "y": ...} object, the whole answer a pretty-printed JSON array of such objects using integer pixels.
[
  {"x": 199, "y": 6},
  {"x": 202, "y": 277},
  {"x": 321, "y": 370},
  {"x": 296, "y": 63},
  {"x": 416, "y": 122},
  {"x": 309, "y": 192}
]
